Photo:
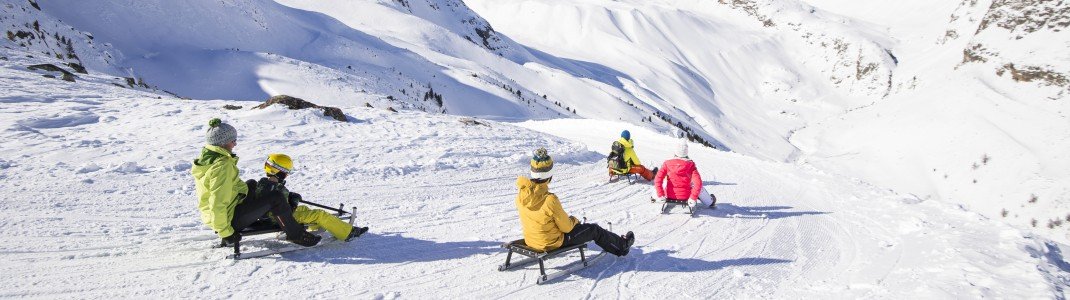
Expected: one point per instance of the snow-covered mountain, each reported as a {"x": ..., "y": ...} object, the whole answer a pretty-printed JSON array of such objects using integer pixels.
[
  {"x": 919, "y": 96},
  {"x": 946, "y": 118},
  {"x": 978, "y": 115}
]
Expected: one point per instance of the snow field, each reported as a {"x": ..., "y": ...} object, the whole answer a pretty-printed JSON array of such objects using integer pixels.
[
  {"x": 879, "y": 92},
  {"x": 107, "y": 208}
]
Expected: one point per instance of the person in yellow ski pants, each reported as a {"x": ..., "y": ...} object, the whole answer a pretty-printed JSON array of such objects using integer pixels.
[{"x": 277, "y": 167}]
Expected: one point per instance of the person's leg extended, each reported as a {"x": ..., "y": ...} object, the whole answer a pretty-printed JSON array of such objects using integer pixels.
[
  {"x": 582, "y": 233},
  {"x": 705, "y": 197},
  {"x": 642, "y": 171},
  {"x": 338, "y": 228}
]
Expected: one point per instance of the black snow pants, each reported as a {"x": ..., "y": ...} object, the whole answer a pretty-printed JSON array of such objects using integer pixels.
[
  {"x": 582, "y": 233},
  {"x": 256, "y": 206}
]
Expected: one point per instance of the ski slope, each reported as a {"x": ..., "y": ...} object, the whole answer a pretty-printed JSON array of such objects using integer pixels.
[
  {"x": 955, "y": 101},
  {"x": 99, "y": 203},
  {"x": 912, "y": 95}
]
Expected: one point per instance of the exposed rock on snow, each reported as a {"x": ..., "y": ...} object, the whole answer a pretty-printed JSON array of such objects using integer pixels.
[
  {"x": 298, "y": 103},
  {"x": 64, "y": 74},
  {"x": 29, "y": 29},
  {"x": 1019, "y": 39},
  {"x": 473, "y": 122}
]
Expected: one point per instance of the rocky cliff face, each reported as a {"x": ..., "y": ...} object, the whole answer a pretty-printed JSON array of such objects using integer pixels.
[
  {"x": 1024, "y": 41},
  {"x": 857, "y": 64}
]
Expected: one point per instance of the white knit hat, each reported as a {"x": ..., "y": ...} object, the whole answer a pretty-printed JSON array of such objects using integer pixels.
[{"x": 681, "y": 148}]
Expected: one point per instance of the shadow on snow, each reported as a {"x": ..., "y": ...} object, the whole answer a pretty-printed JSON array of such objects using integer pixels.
[
  {"x": 386, "y": 248},
  {"x": 729, "y": 210},
  {"x": 663, "y": 261}
]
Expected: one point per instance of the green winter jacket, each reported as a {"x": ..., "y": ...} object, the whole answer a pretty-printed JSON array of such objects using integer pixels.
[{"x": 218, "y": 188}]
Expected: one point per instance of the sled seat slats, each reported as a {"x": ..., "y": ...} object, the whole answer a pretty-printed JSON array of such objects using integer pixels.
[{"x": 518, "y": 246}]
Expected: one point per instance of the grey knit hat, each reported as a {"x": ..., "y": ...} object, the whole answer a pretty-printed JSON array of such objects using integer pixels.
[{"x": 220, "y": 133}]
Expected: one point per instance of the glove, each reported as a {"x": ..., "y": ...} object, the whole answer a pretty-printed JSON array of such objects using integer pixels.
[
  {"x": 574, "y": 220},
  {"x": 232, "y": 239},
  {"x": 692, "y": 202},
  {"x": 295, "y": 200}
]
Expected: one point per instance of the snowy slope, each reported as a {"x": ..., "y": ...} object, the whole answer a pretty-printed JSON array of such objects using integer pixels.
[
  {"x": 435, "y": 56},
  {"x": 727, "y": 69},
  {"x": 961, "y": 126},
  {"x": 99, "y": 203},
  {"x": 253, "y": 49}
]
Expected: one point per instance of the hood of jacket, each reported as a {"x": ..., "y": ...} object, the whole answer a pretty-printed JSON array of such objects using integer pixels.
[{"x": 532, "y": 194}]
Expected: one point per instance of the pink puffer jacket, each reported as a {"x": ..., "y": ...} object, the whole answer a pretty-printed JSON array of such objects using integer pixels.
[{"x": 684, "y": 182}]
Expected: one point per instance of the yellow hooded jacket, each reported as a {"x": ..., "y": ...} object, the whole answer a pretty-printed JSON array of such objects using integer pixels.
[
  {"x": 629, "y": 153},
  {"x": 541, "y": 215},
  {"x": 219, "y": 189}
]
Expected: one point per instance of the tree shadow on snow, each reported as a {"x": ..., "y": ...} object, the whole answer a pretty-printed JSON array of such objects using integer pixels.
[
  {"x": 385, "y": 248},
  {"x": 663, "y": 261},
  {"x": 729, "y": 210}
]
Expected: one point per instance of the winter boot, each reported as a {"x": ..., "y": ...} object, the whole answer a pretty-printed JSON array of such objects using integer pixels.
[
  {"x": 305, "y": 239},
  {"x": 356, "y": 232},
  {"x": 713, "y": 200},
  {"x": 629, "y": 240}
]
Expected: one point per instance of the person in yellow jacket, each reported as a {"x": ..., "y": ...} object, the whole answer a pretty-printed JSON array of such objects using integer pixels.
[
  {"x": 545, "y": 223},
  {"x": 632, "y": 160},
  {"x": 278, "y": 167},
  {"x": 225, "y": 202}
]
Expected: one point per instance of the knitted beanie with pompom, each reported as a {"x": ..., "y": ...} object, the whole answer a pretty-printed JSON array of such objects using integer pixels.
[{"x": 220, "y": 133}]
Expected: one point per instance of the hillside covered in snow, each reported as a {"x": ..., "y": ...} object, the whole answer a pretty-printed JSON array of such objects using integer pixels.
[
  {"x": 102, "y": 205},
  {"x": 862, "y": 148}
]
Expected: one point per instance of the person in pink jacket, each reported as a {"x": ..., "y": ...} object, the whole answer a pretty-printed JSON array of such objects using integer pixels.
[{"x": 678, "y": 179}]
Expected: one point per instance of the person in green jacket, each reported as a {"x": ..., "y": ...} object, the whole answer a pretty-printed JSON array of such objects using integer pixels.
[{"x": 226, "y": 202}]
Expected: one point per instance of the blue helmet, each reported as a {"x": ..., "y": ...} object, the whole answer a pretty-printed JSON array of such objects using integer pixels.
[{"x": 626, "y": 135}]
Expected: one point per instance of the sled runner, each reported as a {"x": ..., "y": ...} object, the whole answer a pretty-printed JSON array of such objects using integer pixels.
[
  {"x": 264, "y": 226},
  {"x": 617, "y": 166},
  {"x": 614, "y": 177},
  {"x": 670, "y": 203},
  {"x": 519, "y": 247}
]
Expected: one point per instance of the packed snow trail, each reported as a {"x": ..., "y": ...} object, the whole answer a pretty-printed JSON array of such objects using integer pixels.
[{"x": 99, "y": 203}]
